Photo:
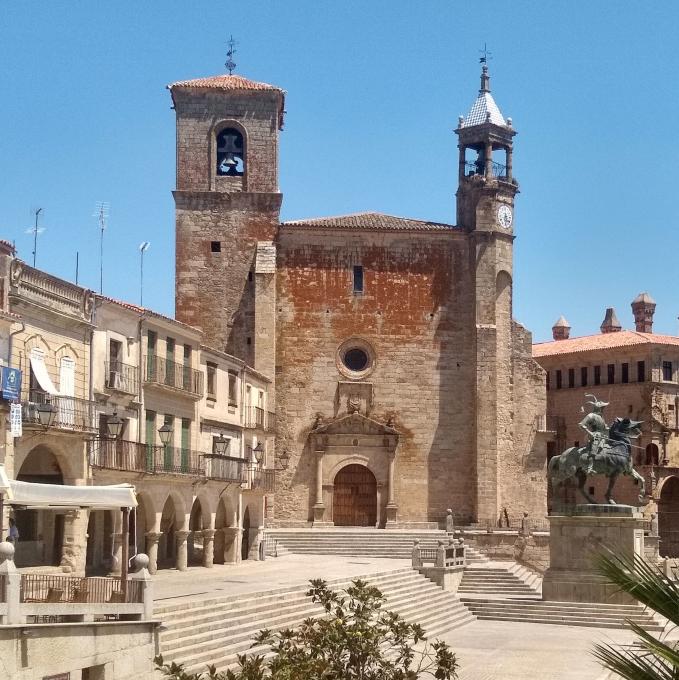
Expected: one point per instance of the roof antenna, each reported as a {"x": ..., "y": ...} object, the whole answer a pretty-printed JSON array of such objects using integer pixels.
[
  {"x": 101, "y": 213},
  {"x": 35, "y": 230},
  {"x": 230, "y": 63},
  {"x": 486, "y": 54},
  {"x": 143, "y": 247}
]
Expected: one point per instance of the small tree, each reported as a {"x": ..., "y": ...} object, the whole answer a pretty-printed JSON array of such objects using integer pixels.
[{"x": 355, "y": 640}]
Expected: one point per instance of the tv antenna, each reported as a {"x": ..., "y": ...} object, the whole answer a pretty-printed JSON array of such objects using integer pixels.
[
  {"x": 143, "y": 247},
  {"x": 101, "y": 213},
  {"x": 230, "y": 63},
  {"x": 486, "y": 55},
  {"x": 35, "y": 230}
]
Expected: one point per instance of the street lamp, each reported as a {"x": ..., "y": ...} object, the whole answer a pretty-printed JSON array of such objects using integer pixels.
[
  {"x": 284, "y": 460},
  {"x": 259, "y": 453},
  {"x": 220, "y": 444},
  {"x": 165, "y": 433},
  {"x": 114, "y": 425},
  {"x": 45, "y": 414}
]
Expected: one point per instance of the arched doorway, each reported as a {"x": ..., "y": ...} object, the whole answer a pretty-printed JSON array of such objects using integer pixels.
[
  {"x": 668, "y": 518},
  {"x": 195, "y": 539},
  {"x": 354, "y": 501},
  {"x": 41, "y": 532}
]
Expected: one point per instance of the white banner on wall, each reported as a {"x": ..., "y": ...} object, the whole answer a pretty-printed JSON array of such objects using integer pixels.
[{"x": 15, "y": 420}]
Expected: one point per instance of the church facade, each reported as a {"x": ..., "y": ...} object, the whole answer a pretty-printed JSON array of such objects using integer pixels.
[{"x": 402, "y": 385}]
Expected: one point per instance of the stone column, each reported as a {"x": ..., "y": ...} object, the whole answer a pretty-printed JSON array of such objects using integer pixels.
[
  {"x": 392, "y": 508},
  {"x": 74, "y": 550},
  {"x": 208, "y": 548},
  {"x": 509, "y": 165},
  {"x": 232, "y": 545},
  {"x": 489, "y": 160},
  {"x": 182, "y": 550},
  {"x": 117, "y": 556},
  {"x": 152, "y": 538},
  {"x": 219, "y": 546},
  {"x": 319, "y": 506}
]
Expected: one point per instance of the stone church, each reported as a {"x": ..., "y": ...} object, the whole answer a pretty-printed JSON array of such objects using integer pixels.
[{"x": 402, "y": 386}]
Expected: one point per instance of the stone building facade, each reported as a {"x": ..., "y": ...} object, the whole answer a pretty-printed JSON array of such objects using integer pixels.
[
  {"x": 403, "y": 386},
  {"x": 637, "y": 373}
]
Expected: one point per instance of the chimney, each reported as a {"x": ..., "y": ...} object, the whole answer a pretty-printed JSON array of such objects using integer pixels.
[
  {"x": 561, "y": 330},
  {"x": 643, "y": 308},
  {"x": 610, "y": 324}
]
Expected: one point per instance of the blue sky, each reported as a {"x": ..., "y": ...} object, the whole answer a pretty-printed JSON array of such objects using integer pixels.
[{"x": 374, "y": 91}]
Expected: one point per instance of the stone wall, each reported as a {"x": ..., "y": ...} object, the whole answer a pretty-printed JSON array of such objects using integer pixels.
[
  {"x": 532, "y": 551},
  {"x": 114, "y": 651},
  {"x": 416, "y": 312}
]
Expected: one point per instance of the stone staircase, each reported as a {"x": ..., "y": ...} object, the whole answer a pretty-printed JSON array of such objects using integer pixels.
[
  {"x": 561, "y": 613},
  {"x": 214, "y": 631},
  {"x": 388, "y": 543},
  {"x": 497, "y": 579}
]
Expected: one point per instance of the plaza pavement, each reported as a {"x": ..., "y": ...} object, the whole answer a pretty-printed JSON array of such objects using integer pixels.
[{"x": 487, "y": 650}]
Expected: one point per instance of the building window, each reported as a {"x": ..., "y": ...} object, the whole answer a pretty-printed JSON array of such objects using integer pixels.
[
  {"x": 583, "y": 376},
  {"x": 667, "y": 370},
  {"x": 652, "y": 454},
  {"x": 641, "y": 371},
  {"x": 230, "y": 153},
  {"x": 211, "y": 380},
  {"x": 215, "y": 246},
  {"x": 625, "y": 373},
  {"x": 597, "y": 375},
  {"x": 548, "y": 380},
  {"x": 571, "y": 377},
  {"x": 233, "y": 388},
  {"x": 611, "y": 373},
  {"x": 358, "y": 279},
  {"x": 558, "y": 380}
]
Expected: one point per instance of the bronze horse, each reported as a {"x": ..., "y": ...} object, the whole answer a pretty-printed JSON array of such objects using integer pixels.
[{"x": 615, "y": 458}]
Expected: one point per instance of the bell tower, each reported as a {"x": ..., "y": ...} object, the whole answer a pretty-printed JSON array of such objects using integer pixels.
[
  {"x": 227, "y": 205},
  {"x": 485, "y": 210}
]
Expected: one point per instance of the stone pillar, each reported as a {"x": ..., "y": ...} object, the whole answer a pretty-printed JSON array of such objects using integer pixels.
[
  {"x": 208, "y": 548},
  {"x": 253, "y": 553},
  {"x": 152, "y": 538},
  {"x": 182, "y": 550},
  {"x": 140, "y": 572},
  {"x": 319, "y": 506},
  {"x": 74, "y": 550},
  {"x": 509, "y": 164},
  {"x": 12, "y": 578},
  {"x": 392, "y": 508},
  {"x": 219, "y": 546},
  {"x": 232, "y": 544},
  {"x": 117, "y": 556},
  {"x": 489, "y": 160}
]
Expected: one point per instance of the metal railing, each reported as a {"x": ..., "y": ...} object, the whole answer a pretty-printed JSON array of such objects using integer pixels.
[
  {"x": 260, "y": 479},
  {"x": 478, "y": 167},
  {"x": 162, "y": 371},
  {"x": 224, "y": 468},
  {"x": 53, "y": 589},
  {"x": 121, "y": 454},
  {"x": 258, "y": 419},
  {"x": 69, "y": 413},
  {"x": 175, "y": 461},
  {"x": 121, "y": 377}
]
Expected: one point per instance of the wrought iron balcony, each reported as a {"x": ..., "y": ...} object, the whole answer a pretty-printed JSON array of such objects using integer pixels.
[
  {"x": 224, "y": 468},
  {"x": 121, "y": 377},
  {"x": 478, "y": 168},
  {"x": 173, "y": 460},
  {"x": 260, "y": 479},
  {"x": 257, "y": 418},
  {"x": 171, "y": 374},
  {"x": 121, "y": 454},
  {"x": 69, "y": 413}
]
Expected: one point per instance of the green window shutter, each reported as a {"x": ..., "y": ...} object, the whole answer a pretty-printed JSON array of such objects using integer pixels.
[
  {"x": 186, "y": 438},
  {"x": 150, "y": 438}
]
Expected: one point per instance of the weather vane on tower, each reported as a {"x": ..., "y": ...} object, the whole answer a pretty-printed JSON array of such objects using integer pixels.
[
  {"x": 487, "y": 55},
  {"x": 230, "y": 63}
]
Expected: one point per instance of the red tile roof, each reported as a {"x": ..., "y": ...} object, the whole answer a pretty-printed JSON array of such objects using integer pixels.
[
  {"x": 590, "y": 343},
  {"x": 369, "y": 220},
  {"x": 225, "y": 82},
  {"x": 144, "y": 310}
]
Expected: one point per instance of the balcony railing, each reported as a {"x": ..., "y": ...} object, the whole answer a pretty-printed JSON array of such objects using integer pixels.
[
  {"x": 260, "y": 479},
  {"x": 121, "y": 454},
  {"x": 54, "y": 589},
  {"x": 70, "y": 413},
  {"x": 258, "y": 419},
  {"x": 478, "y": 168},
  {"x": 121, "y": 377},
  {"x": 175, "y": 460},
  {"x": 224, "y": 468},
  {"x": 162, "y": 371}
]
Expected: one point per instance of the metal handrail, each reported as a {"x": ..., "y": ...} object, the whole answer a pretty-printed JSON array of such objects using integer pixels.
[
  {"x": 224, "y": 468},
  {"x": 54, "y": 589},
  {"x": 163, "y": 371},
  {"x": 70, "y": 413},
  {"x": 121, "y": 377}
]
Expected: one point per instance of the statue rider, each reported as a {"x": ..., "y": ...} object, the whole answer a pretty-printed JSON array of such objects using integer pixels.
[{"x": 595, "y": 426}]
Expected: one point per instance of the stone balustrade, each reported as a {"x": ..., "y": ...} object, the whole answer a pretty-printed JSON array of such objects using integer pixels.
[{"x": 444, "y": 564}]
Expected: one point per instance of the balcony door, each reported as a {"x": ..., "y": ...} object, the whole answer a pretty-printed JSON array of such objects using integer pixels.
[{"x": 66, "y": 408}]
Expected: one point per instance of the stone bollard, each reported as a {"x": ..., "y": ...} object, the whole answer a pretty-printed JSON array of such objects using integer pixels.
[
  {"x": 416, "y": 554},
  {"x": 525, "y": 525},
  {"x": 12, "y": 578},
  {"x": 450, "y": 521},
  {"x": 440, "y": 555},
  {"x": 140, "y": 572}
]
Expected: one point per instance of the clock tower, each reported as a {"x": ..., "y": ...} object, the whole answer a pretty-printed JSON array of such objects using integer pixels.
[{"x": 485, "y": 210}]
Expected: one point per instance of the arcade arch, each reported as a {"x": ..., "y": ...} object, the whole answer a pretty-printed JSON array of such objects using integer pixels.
[{"x": 668, "y": 517}]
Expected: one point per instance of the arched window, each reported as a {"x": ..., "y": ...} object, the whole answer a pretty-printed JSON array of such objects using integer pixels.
[
  {"x": 652, "y": 457},
  {"x": 230, "y": 153}
]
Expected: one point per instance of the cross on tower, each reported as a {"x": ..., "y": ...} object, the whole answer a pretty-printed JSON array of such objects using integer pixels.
[
  {"x": 230, "y": 63},
  {"x": 487, "y": 54}
]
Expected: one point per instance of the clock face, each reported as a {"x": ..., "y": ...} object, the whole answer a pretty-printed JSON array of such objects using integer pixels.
[{"x": 504, "y": 216}]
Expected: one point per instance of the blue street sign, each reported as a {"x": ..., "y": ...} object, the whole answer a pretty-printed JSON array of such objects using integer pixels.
[{"x": 11, "y": 383}]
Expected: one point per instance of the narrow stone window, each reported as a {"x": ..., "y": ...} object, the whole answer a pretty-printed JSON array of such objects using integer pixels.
[
  {"x": 571, "y": 377},
  {"x": 215, "y": 246},
  {"x": 667, "y": 370},
  {"x": 358, "y": 279},
  {"x": 230, "y": 153},
  {"x": 211, "y": 380},
  {"x": 625, "y": 373},
  {"x": 558, "y": 380},
  {"x": 233, "y": 388},
  {"x": 641, "y": 371},
  {"x": 583, "y": 376},
  {"x": 597, "y": 375},
  {"x": 611, "y": 373}
]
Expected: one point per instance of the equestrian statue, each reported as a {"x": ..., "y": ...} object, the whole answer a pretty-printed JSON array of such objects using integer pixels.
[{"x": 608, "y": 452}]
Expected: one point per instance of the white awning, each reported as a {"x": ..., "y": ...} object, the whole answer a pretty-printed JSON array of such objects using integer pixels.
[
  {"x": 39, "y": 369},
  {"x": 33, "y": 495}
]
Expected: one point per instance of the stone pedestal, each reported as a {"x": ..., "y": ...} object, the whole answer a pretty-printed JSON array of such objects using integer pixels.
[{"x": 573, "y": 542}]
